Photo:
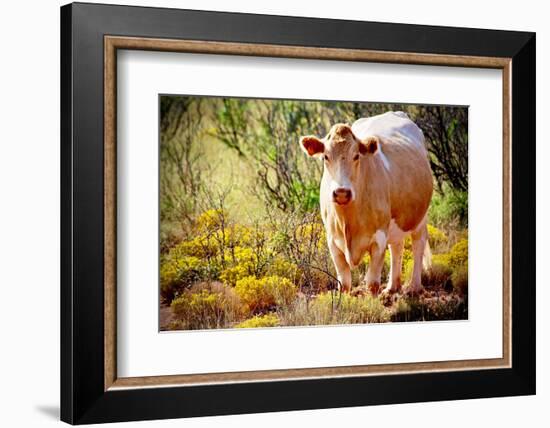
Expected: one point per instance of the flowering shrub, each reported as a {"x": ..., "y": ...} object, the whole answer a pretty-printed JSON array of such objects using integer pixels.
[
  {"x": 206, "y": 308},
  {"x": 227, "y": 272},
  {"x": 458, "y": 256},
  {"x": 436, "y": 237},
  {"x": 281, "y": 267},
  {"x": 441, "y": 259},
  {"x": 240, "y": 264},
  {"x": 178, "y": 271},
  {"x": 204, "y": 247},
  {"x": 210, "y": 220},
  {"x": 258, "y": 321},
  {"x": 261, "y": 294},
  {"x": 310, "y": 236},
  {"x": 408, "y": 263}
]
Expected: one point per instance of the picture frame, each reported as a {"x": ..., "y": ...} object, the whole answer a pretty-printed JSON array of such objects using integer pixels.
[{"x": 91, "y": 35}]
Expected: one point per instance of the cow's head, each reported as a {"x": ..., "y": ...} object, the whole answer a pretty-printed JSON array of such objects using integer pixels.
[{"x": 342, "y": 153}]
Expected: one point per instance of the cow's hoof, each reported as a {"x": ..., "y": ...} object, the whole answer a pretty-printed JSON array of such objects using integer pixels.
[
  {"x": 344, "y": 289},
  {"x": 374, "y": 288}
]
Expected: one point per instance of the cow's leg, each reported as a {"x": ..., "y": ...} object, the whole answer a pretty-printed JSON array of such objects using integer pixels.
[
  {"x": 374, "y": 273},
  {"x": 343, "y": 271},
  {"x": 419, "y": 239},
  {"x": 396, "y": 251}
]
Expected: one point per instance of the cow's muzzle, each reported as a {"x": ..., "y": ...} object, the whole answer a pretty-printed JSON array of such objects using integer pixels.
[{"x": 341, "y": 196}]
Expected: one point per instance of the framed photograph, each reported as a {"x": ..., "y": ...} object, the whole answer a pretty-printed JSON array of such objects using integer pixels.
[{"x": 266, "y": 213}]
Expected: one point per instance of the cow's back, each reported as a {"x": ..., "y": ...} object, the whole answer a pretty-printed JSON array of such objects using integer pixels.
[
  {"x": 391, "y": 126},
  {"x": 407, "y": 165}
]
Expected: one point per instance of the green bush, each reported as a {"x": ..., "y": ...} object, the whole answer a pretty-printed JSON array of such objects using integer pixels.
[
  {"x": 264, "y": 293},
  {"x": 259, "y": 321},
  {"x": 449, "y": 207}
]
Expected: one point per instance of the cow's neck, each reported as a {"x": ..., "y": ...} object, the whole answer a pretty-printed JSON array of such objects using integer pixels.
[{"x": 368, "y": 212}]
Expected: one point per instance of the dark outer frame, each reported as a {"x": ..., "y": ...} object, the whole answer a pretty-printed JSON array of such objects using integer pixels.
[
  {"x": 83, "y": 396},
  {"x": 115, "y": 43}
]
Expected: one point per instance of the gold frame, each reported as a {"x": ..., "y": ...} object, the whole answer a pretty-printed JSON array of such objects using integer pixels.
[{"x": 113, "y": 43}]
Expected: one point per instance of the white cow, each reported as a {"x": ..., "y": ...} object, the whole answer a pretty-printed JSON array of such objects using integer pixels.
[{"x": 376, "y": 189}]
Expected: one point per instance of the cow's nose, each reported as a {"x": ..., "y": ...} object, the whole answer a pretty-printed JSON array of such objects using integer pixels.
[{"x": 341, "y": 196}]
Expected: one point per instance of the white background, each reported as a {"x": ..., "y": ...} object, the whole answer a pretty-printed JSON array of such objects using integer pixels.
[
  {"x": 29, "y": 216},
  {"x": 142, "y": 351}
]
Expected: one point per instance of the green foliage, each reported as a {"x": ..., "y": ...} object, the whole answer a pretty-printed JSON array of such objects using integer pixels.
[
  {"x": 308, "y": 195},
  {"x": 449, "y": 207},
  {"x": 259, "y": 321},
  {"x": 264, "y": 293},
  {"x": 265, "y": 133}
]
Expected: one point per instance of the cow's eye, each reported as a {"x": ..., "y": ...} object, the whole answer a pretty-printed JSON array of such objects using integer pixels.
[
  {"x": 356, "y": 157},
  {"x": 326, "y": 158}
]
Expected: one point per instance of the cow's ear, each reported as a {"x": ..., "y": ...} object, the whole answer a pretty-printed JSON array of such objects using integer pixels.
[
  {"x": 369, "y": 145},
  {"x": 312, "y": 145}
]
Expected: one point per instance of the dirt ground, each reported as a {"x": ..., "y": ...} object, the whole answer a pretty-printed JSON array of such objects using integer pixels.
[{"x": 165, "y": 317}]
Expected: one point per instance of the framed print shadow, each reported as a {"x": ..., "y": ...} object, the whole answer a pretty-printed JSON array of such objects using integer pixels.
[{"x": 265, "y": 213}]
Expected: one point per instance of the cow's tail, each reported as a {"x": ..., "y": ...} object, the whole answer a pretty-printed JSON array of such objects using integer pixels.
[{"x": 427, "y": 257}]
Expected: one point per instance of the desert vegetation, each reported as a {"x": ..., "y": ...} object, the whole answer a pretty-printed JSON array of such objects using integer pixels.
[{"x": 242, "y": 244}]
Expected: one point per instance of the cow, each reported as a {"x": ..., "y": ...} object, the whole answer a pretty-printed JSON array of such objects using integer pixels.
[{"x": 375, "y": 191}]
